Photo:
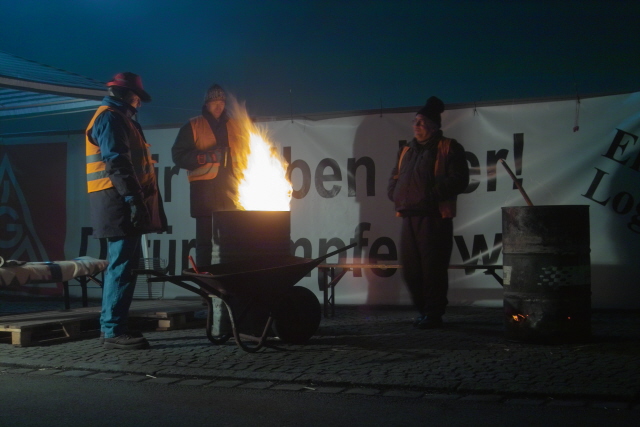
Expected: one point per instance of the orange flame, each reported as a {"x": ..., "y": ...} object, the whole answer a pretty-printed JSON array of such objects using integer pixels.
[{"x": 261, "y": 172}]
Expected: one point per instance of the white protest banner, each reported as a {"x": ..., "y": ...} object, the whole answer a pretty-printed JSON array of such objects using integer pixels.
[{"x": 340, "y": 166}]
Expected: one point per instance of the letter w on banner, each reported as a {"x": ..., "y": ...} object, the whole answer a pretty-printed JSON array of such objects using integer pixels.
[{"x": 33, "y": 219}]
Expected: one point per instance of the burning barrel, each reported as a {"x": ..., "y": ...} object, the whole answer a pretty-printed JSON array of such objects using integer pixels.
[
  {"x": 243, "y": 236},
  {"x": 251, "y": 238},
  {"x": 547, "y": 273},
  {"x": 250, "y": 234}
]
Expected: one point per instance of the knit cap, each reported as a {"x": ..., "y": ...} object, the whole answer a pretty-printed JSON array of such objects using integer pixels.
[
  {"x": 432, "y": 110},
  {"x": 215, "y": 93}
]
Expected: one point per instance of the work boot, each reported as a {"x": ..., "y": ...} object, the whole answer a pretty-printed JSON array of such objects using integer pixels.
[
  {"x": 132, "y": 333},
  {"x": 127, "y": 341},
  {"x": 430, "y": 322}
]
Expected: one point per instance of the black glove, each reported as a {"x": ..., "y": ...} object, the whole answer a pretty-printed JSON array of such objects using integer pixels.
[
  {"x": 208, "y": 157},
  {"x": 140, "y": 217}
]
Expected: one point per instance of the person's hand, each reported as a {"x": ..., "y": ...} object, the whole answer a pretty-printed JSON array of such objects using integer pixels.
[{"x": 139, "y": 213}]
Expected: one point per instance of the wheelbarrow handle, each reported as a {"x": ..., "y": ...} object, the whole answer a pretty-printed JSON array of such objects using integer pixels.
[{"x": 330, "y": 254}]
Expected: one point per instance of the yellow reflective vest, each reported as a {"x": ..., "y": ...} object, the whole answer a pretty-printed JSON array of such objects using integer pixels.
[
  {"x": 97, "y": 178},
  {"x": 205, "y": 140}
]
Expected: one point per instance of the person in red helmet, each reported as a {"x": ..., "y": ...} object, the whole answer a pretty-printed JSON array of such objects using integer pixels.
[
  {"x": 430, "y": 172},
  {"x": 124, "y": 200}
]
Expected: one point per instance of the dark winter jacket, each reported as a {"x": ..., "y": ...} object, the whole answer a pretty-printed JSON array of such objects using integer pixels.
[
  {"x": 416, "y": 189},
  {"x": 125, "y": 153},
  {"x": 211, "y": 178}
]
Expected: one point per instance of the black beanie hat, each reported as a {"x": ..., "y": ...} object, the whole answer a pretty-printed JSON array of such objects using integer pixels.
[
  {"x": 215, "y": 93},
  {"x": 432, "y": 110}
]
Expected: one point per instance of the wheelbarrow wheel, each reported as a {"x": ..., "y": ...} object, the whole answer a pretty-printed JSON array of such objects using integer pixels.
[{"x": 297, "y": 316}]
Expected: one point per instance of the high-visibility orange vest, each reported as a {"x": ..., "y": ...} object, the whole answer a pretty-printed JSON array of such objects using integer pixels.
[
  {"x": 447, "y": 207},
  {"x": 205, "y": 140},
  {"x": 97, "y": 178}
]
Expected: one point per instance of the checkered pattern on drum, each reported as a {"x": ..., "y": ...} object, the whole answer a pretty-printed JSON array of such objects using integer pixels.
[{"x": 563, "y": 276}]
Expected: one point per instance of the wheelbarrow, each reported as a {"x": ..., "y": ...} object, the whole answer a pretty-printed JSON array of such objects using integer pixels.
[{"x": 260, "y": 296}]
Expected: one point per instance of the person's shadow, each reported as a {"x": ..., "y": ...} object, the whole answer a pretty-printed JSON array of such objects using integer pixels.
[{"x": 375, "y": 148}]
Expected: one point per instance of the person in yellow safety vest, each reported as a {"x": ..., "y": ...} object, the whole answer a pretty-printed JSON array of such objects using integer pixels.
[
  {"x": 205, "y": 147},
  {"x": 429, "y": 174},
  {"x": 124, "y": 199}
]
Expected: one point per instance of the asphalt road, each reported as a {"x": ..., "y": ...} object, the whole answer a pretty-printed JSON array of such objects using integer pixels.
[{"x": 38, "y": 400}]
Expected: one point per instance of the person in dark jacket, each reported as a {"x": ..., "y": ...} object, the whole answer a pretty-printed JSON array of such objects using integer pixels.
[
  {"x": 206, "y": 147},
  {"x": 124, "y": 198},
  {"x": 430, "y": 172}
]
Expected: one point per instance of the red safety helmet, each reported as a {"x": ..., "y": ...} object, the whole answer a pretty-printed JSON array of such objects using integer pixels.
[{"x": 130, "y": 81}]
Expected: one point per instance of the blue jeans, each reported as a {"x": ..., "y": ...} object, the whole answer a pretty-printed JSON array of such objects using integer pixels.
[{"x": 117, "y": 291}]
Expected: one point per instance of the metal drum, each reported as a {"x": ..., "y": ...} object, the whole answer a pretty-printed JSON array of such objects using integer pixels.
[
  {"x": 547, "y": 273},
  {"x": 243, "y": 235}
]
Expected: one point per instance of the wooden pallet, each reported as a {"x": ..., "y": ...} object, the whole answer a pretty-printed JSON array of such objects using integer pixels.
[
  {"x": 167, "y": 315},
  {"x": 42, "y": 327},
  {"x": 45, "y": 327}
]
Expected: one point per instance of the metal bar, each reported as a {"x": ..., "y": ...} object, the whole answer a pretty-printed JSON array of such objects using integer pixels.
[
  {"x": 492, "y": 272},
  {"x": 322, "y": 275},
  {"x": 67, "y": 298},
  {"x": 332, "y": 301},
  {"x": 83, "y": 286},
  {"x": 515, "y": 181},
  {"x": 329, "y": 300},
  {"x": 330, "y": 254}
]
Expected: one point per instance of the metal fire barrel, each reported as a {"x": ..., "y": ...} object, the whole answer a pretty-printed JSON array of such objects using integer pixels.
[
  {"x": 249, "y": 234},
  {"x": 242, "y": 236},
  {"x": 547, "y": 273}
]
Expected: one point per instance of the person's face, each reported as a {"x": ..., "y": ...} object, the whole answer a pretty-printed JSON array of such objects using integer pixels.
[
  {"x": 215, "y": 108},
  {"x": 134, "y": 100},
  {"x": 420, "y": 129}
]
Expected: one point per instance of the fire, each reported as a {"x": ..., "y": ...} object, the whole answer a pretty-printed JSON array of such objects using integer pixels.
[
  {"x": 264, "y": 186},
  {"x": 261, "y": 172}
]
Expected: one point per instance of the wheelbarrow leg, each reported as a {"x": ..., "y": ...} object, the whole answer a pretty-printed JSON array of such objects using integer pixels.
[{"x": 260, "y": 341}]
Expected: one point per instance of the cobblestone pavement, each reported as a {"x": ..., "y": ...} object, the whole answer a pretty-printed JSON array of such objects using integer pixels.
[{"x": 371, "y": 350}]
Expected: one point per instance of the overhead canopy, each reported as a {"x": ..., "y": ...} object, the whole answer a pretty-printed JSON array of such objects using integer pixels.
[{"x": 29, "y": 89}]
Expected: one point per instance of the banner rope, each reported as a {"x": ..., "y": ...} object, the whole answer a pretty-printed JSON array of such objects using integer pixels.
[{"x": 576, "y": 126}]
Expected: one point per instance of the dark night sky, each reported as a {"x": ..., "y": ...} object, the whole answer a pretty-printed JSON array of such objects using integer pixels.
[{"x": 321, "y": 56}]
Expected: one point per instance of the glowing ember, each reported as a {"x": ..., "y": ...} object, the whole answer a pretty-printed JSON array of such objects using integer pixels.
[
  {"x": 261, "y": 172},
  {"x": 518, "y": 317}
]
